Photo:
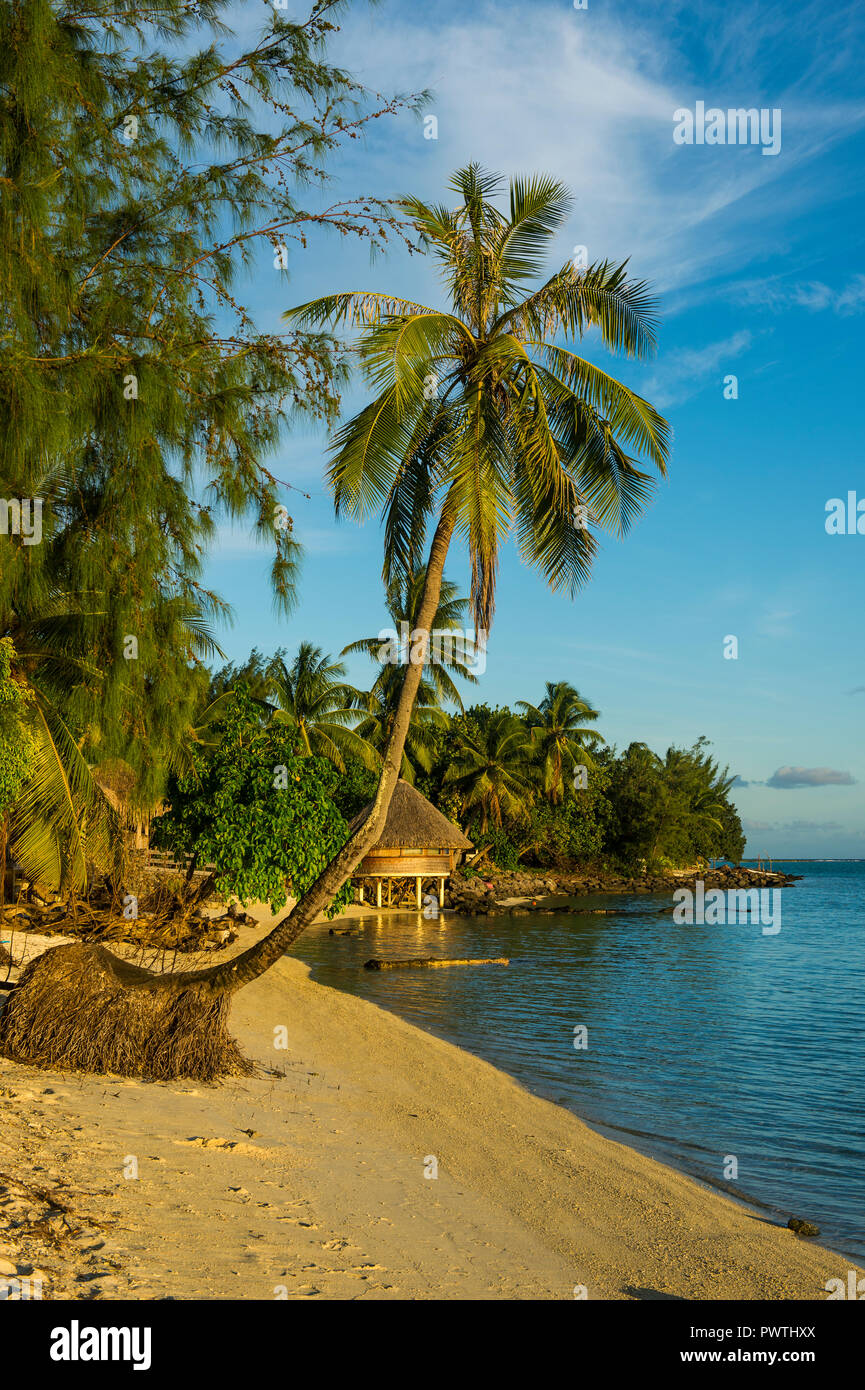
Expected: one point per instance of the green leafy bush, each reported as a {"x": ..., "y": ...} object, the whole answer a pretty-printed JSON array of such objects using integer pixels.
[{"x": 264, "y": 816}]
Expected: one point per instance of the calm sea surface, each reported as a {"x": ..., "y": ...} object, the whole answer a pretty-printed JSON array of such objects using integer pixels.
[{"x": 703, "y": 1041}]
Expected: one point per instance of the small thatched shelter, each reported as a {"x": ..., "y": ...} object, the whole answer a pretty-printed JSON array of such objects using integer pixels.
[
  {"x": 118, "y": 782},
  {"x": 417, "y": 842}
]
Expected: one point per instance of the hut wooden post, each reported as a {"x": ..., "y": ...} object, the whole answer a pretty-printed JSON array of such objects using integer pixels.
[
  {"x": 417, "y": 891},
  {"x": 378, "y": 893},
  {"x": 441, "y": 892}
]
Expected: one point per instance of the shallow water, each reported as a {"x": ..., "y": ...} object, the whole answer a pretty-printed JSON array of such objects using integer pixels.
[{"x": 705, "y": 1043}]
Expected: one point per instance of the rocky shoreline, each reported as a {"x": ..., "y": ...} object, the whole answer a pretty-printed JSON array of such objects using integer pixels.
[{"x": 522, "y": 891}]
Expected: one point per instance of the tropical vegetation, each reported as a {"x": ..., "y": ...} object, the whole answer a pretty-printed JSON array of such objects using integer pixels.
[
  {"x": 257, "y": 810},
  {"x": 150, "y": 159},
  {"x": 538, "y": 784}
]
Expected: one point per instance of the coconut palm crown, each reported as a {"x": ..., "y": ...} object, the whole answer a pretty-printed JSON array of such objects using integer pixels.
[
  {"x": 560, "y": 733},
  {"x": 491, "y": 771},
  {"x": 480, "y": 418},
  {"x": 312, "y": 696},
  {"x": 403, "y": 599}
]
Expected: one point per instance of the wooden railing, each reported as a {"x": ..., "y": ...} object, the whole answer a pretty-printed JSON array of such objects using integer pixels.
[{"x": 167, "y": 861}]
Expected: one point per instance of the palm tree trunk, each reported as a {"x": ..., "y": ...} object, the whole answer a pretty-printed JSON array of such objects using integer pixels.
[
  {"x": 4, "y": 840},
  {"x": 243, "y": 969}
]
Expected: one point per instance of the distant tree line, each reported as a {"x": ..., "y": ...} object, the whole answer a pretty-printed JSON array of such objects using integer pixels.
[{"x": 534, "y": 785}]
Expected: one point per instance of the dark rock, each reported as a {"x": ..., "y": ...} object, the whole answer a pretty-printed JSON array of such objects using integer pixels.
[{"x": 802, "y": 1228}]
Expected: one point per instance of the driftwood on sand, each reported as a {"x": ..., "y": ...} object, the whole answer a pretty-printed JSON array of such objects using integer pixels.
[{"x": 433, "y": 962}]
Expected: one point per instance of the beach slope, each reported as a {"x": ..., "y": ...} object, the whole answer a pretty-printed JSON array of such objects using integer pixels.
[{"x": 313, "y": 1179}]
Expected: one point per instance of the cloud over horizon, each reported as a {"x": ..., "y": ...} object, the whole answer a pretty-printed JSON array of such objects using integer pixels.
[
  {"x": 791, "y": 778},
  {"x": 794, "y": 827}
]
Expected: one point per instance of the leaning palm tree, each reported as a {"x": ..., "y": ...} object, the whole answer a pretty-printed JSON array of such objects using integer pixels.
[
  {"x": 560, "y": 733},
  {"x": 481, "y": 425},
  {"x": 490, "y": 770},
  {"x": 312, "y": 696}
]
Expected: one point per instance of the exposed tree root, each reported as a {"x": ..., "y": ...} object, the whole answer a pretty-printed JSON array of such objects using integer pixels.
[{"x": 78, "y": 1008}]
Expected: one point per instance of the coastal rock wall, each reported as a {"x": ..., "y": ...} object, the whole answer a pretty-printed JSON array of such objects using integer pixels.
[{"x": 494, "y": 894}]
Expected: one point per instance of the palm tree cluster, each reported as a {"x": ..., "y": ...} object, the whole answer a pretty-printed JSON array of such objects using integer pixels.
[
  {"x": 335, "y": 720},
  {"x": 537, "y": 781}
]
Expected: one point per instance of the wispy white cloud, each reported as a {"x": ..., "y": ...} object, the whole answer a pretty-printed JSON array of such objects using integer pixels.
[
  {"x": 776, "y": 622},
  {"x": 682, "y": 373},
  {"x": 590, "y": 97},
  {"x": 776, "y": 293}
]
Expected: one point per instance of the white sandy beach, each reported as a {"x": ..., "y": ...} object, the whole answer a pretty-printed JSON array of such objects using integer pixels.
[{"x": 307, "y": 1180}]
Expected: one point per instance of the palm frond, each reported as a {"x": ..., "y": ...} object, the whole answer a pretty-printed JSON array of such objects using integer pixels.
[
  {"x": 354, "y": 309},
  {"x": 62, "y": 821}
]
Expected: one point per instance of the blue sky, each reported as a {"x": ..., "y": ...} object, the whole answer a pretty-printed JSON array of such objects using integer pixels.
[{"x": 758, "y": 263}]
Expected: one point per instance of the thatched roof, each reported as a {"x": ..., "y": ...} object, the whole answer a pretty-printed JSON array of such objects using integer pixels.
[
  {"x": 117, "y": 780},
  {"x": 412, "y": 820}
]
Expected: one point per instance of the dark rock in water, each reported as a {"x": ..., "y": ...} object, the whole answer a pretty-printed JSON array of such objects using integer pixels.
[{"x": 802, "y": 1228}]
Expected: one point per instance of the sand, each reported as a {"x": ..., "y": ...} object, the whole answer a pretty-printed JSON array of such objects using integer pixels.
[{"x": 311, "y": 1180}]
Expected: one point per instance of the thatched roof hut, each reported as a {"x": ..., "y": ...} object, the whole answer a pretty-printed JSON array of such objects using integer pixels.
[
  {"x": 417, "y": 842},
  {"x": 118, "y": 782}
]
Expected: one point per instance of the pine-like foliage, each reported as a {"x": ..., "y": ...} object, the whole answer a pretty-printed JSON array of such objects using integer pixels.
[{"x": 149, "y": 161}]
